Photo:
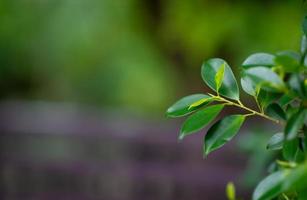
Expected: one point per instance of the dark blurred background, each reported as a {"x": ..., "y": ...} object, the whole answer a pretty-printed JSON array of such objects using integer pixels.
[{"x": 85, "y": 83}]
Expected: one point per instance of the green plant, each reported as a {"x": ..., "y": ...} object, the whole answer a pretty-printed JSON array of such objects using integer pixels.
[{"x": 278, "y": 84}]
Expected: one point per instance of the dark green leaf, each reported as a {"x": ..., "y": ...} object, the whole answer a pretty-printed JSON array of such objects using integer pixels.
[
  {"x": 259, "y": 59},
  {"x": 181, "y": 107},
  {"x": 294, "y": 124},
  {"x": 286, "y": 99},
  {"x": 274, "y": 110},
  {"x": 276, "y": 141},
  {"x": 199, "y": 120},
  {"x": 229, "y": 87},
  {"x": 221, "y": 132},
  {"x": 265, "y": 98},
  {"x": 271, "y": 186},
  {"x": 291, "y": 151}
]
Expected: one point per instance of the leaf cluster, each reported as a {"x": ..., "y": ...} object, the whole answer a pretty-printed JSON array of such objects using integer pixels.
[{"x": 278, "y": 84}]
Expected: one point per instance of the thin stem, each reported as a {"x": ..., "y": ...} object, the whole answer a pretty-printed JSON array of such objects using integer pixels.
[{"x": 240, "y": 105}]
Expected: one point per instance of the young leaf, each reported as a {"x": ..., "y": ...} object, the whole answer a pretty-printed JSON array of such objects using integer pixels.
[
  {"x": 231, "y": 191},
  {"x": 199, "y": 120},
  {"x": 294, "y": 124},
  {"x": 181, "y": 107},
  {"x": 219, "y": 76},
  {"x": 274, "y": 110},
  {"x": 200, "y": 102},
  {"x": 229, "y": 87},
  {"x": 259, "y": 59},
  {"x": 271, "y": 186},
  {"x": 261, "y": 76},
  {"x": 276, "y": 141},
  {"x": 221, "y": 132}
]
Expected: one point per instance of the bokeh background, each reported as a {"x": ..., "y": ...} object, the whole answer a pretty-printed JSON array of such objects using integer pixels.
[{"x": 84, "y": 85}]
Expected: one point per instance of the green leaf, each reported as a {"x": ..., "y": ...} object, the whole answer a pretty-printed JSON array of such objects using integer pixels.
[
  {"x": 248, "y": 86},
  {"x": 265, "y": 98},
  {"x": 199, "y": 120},
  {"x": 181, "y": 107},
  {"x": 304, "y": 25},
  {"x": 294, "y": 124},
  {"x": 271, "y": 186},
  {"x": 229, "y": 87},
  {"x": 282, "y": 181},
  {"x": 276, "y": 141},
  {"x": 274, "y": 110},
  {"x": 291, "y": 151},
  {"x": 296, "y": 83},
  {"x": 219, "y": 76},
  {"x": 259, "y": 59},
  {"x": 221, "y": 132},
  {"x": 303, "y": 44},
  {"x": 289, "y": 60},
  {"x": 263, "y": 77},
  {"x": 296, "y": 179},
  {"x": 286, "y": 99},
  {"x": 231, "y": 191},
  {"x": 200, "y": 102}
]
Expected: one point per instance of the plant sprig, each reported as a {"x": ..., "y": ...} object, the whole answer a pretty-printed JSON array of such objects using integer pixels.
[{"x": 278, "y": 84}]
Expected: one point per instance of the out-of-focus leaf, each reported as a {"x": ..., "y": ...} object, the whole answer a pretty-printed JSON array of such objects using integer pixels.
[
  {"x": 229, "y": 87},
  {"x": 271, "y": 186},
  {"x": 261, "y": 77},
  {"x": 296, "y": 83},
  {"x": 294, "y": 124},
  {"x": 274, "y": 110},
  {"x": 282, "y": 181},
  {"x": 181, "y": 107},
  {"x": 303, "y": 44},
  {"x": 276, "y": 141},
  {"x": 231, "y": 191},
  {"x": 199, "y": 120},
  {"x": 259, "y": 59},
  {"x": 221, "y": 132},
  {"x": 286, "y": 99},
  {"x": 265, "y": 98},
  {"x": 296, "y": 179},
  {"x": 289, "y": 60},
  {"x": 304, "y": 25},
  {"x": 291, "y": 151}
]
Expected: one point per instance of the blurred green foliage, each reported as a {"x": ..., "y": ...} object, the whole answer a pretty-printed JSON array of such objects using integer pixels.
[{"x": 132, "y": 54}]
